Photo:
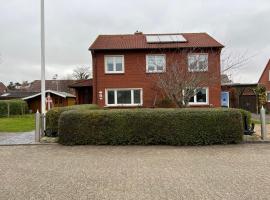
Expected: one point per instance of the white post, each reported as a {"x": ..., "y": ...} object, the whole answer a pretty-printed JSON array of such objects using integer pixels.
[
  {"x": 43, "y": 97},
  {"x": 37, "y": 131},
  {"x": 263, "y": 123}
]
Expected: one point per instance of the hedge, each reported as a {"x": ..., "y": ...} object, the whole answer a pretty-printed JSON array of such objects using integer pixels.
[
  {"x": 16, "y": 107},
  {"x": 151, "y": 126},
  {"x": 53, "y": 115}
]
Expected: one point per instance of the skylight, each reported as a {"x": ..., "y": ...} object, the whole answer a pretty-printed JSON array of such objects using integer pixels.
[{"x": 165, "y": 38}]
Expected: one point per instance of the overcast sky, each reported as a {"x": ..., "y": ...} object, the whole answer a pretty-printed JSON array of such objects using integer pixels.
[{"x": 71, "y": 26}]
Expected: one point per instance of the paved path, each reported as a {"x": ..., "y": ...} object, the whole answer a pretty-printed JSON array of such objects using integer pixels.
[
  {"x": 135, "y": 172},
  {"x": 17, "y": 138},
  {"x": 257, "y": 117}
]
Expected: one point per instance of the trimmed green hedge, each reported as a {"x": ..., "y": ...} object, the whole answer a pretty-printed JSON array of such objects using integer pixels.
[
  {"x": 16, "y": 107},
  {"x": 52, "y": 116},
  {"x": 151, "y": 126}
]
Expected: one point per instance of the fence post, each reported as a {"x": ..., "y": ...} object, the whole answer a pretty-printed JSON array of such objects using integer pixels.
[
  {"x": 43, "y": 125},
  {"x": 8, "y": 109},
  {"x": 37, "y": 131},
  {"x": 263, "y": 123}
]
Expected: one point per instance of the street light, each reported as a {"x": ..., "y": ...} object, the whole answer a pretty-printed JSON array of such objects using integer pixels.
[{"x": 43, "y": 103}]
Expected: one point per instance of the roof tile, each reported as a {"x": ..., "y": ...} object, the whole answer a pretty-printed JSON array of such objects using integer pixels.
[{"x": 138, "y": 41}]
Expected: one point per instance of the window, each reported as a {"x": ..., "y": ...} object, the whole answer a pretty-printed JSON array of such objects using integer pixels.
[
  {"x": 268, "y": 96},
  {"x": 197, "y": 62},
  {"x": 124, "y": 97},
  {"x": 201, "y": 96},
  {"x": 155, "y": 63},
  {"x": 114, "y": 64}
]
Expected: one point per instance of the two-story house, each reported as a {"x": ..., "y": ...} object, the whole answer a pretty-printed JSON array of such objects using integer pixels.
[{"x": 124, "y": 67}]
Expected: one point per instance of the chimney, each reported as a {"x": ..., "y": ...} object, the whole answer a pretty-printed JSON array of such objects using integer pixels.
[{"x": 138, "y": 33}]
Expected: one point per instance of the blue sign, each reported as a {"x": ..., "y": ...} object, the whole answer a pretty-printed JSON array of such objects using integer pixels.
[{"x": 225, "y": 99}]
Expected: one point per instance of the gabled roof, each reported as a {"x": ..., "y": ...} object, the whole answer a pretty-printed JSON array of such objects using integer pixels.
[
  {"x": 55, "y": 85},
  {"x": 138, "y": 41},
  {"x": 61, "y": 94},
  {"x": 267, "y": 66},
  {"x": 15, "y": 94},
  {"x": 81, "y": 83}
]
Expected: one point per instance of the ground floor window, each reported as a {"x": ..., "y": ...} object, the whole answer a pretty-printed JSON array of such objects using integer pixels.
[
  {"x": 124, "y": 97},
  {"x": 268, "y": 96},
  {"x": 201, "y": 96}
]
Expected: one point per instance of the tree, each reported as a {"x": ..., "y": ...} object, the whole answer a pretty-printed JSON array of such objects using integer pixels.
[
  {"x": 232, "y": 60},
  {"x": 81, "y": 73},
  {"x": 11, "y": 86},
  {"x": 179, "y": 83}
]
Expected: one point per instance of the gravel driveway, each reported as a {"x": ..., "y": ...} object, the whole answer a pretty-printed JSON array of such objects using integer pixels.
[
  {"x": 135, "y": 172},
  {"x": 17, "y": 138}
]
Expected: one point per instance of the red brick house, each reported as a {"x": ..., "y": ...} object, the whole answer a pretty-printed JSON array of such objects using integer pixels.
[
  {"x": 123, "y": 70},
  {"x": 265, "y": 81},
  {"x": 3, "y": 88}
]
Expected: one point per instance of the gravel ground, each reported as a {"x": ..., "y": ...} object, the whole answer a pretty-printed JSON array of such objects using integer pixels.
[
  {"x": 258, "y": 130},
  {"x": 135, "y": 172},
  {"x": 17, "y": 138}
]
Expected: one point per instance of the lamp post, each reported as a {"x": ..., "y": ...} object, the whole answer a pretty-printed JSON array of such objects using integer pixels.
[{"x": 43, "y": 97}]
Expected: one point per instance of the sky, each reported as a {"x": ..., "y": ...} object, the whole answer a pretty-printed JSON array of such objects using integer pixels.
[{"x": 243, "y": 26}]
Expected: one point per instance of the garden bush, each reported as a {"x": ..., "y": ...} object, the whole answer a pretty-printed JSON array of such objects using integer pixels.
[
  {"x": 151, "y": 126},
  {"x": 16, "y": 107},
  {"x": 53, "y": 115}
]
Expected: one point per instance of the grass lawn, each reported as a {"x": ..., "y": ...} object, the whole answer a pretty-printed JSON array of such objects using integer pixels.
[{"x": 22, "y": 123}]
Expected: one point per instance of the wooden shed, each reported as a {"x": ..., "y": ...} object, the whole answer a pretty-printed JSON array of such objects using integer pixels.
[{"x": 59, "y": 99}]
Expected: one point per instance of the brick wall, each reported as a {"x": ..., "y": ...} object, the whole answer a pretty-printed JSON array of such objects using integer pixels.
[{"x": 135, "y": 75}]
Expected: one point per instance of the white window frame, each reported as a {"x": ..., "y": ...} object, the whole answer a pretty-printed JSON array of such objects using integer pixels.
[
  {"x": 201, "y": 103},
  {"x": 198, "y": 54},
  {"x": 123, "y": 105},
  {"x": 267, "y": 96},
  {"x": 155, "y": 71},
  {"x": 114, "y": 64}
]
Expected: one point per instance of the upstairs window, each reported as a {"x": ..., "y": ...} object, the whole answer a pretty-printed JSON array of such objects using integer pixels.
[
  {"x": 155, "y": 63},
  {"x": 114, "y": 64},
  {"x": 197, "y": 62},
  {"x": 200, "y": 97}
]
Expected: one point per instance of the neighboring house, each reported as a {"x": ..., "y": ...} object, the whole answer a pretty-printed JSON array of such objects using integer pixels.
[
  {"x": 59, "y": 99},
  {"x": 265, "y": 81},
  {"x": 60, "y": 92},
  {"x": 3, "y": 88},
  {"x": 83, "y": 91},
  {"x": 123, "y": 70}
]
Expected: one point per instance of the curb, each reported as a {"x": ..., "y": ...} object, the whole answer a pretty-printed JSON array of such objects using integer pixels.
[{"x": 31, "y": 144}]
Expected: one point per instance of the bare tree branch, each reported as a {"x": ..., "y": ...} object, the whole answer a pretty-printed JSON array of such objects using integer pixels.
[{"x": 81, "y": 73}]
